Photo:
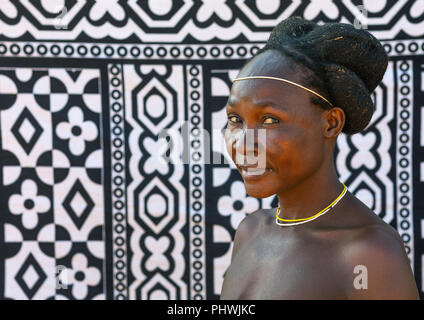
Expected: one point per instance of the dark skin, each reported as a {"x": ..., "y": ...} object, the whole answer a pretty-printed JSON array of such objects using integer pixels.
[{"x": 315, "y": 260}]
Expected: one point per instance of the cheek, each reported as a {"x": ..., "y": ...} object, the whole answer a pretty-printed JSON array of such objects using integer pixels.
[{"x": 292, "y": 149}]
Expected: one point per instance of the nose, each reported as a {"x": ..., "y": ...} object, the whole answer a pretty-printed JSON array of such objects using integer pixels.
[{"x": 249, "y": 147}]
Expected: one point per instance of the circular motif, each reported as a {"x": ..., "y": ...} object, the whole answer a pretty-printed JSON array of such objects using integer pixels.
[
  {"x": 197, "y": 287},
  {"x": 28, "y": 49},
  {"x": 404, "y": 114},
  {"x": 241, "y": 51},
  {"x": 117, "y": 130},
  {"x": 194, "y": 83},
  {"x": 403, "y": 162},
  {"x": 197, "y": 218},
  {"x": 135, "y": 51},
  {"x": 399, "y": 48},
  {"x": 404, "y": 187},
  {"x": 69, "y": 50},
  {"x": 55, "y": 49},
  {"x": 404, "y": 175},
  {"x": 15, "y": 49},
  {"x": 228, "y": 51},
  {"x": 201, "y": 52},
  {"x": 116, "y": 94},
  {"x": 82, "y": 50},
  {"x": 404, "y": 90},
  {"x": 161, "y": 52},
  {"x": 404, "y": 126},
  {"x": 195, "y": 108},
  {"x": 197, "y": 205},
  {"x": 404, "y": 200},
  {"x": 120, "y": 264},
  {"x": 197, "y": 253},
  {"x": 118, "y": 205},
  {"x": 116, "y": 119},
  {"x": 119, "y": 228},
  {"x": 119, "y": 253},
  {"x": 175, "y": 52},
  {"x": 95, "y": 50},
  {"x": 194, "y": 71},
  {"x": 118, "y": 167},
  {"x": 118, "y": 155},
  {"x": 413, "y": 47},
  {"x": 197, "y": 229},
  {"x": 195, "y": 120},
  {"x": 188, "y": 52},
  {"x": 404, "y": 225},
  {"x": 403, "y": 150},
  {"x": 196, "y": 193},
  {"x": 197, "y": 265},
  {"x": 119, "y": 241},
  {"x": 404, "y": 138},
  {"x": 120, "y": 286},
  {"x": 119, "y": 216},
  {"x": 404, "y": 212},
  {"x": 42, "y": 49},
  {"x": 148, "y": 51},
  {"x": 114, "y": 70},
  {"x": 195, "y": 95},
  {"x": 404, "y": 77},
  {"x": 118, "y": 180},
  {"x": 122, "y": 51},
  {"x": 404, "y": 66},
  {"x": 196, "y": 181},
  {"x": 215, "y": 52},
  {"x": 109, "y": 51},
  {"x": 196, "y": 168},
  {"x": 197, "y": 242},
  {"x": 117, "y": 142},
  {"x": 115, "y": 82}
]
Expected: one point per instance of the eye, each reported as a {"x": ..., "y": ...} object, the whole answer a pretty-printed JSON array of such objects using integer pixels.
[
  {"x": 233, "y": 119},
  {"x": 270, "y": 120}
]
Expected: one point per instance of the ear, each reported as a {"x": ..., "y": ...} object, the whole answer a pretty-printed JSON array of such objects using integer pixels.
[{"x": 334, "y": 121}]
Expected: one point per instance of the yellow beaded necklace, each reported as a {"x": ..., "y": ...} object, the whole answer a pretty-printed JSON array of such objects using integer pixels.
[{"x": 292, "y": 222}]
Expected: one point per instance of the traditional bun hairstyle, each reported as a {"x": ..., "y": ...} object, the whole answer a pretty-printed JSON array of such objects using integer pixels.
[{"x": 347, "y": 64}]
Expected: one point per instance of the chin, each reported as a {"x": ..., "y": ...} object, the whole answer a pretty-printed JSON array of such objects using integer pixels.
[{"x": 258, "y": 191}]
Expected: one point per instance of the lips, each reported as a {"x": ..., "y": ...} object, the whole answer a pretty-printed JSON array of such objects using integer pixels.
[{"x": 251, "y": 172}]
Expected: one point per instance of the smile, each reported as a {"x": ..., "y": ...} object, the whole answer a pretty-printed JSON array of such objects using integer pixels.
[{"x": 254, "y": 173}]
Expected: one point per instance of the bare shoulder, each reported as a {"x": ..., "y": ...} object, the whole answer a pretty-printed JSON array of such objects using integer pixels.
[
  {"x": 248, "y": 227},
  {"x": 378, "y": 252}
]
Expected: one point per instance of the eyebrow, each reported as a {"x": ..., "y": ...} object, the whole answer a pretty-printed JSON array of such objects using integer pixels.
[{"x": 260, "y": 104}]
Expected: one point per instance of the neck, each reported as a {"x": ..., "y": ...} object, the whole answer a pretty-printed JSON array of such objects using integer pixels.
[{"x": 310, "y": 195}]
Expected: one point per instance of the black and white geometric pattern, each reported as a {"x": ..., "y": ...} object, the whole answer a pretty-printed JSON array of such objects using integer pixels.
[{"x": 89, "y": 207}]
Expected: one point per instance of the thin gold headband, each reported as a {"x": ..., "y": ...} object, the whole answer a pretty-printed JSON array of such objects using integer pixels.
[{"x": 285, "y": 80}]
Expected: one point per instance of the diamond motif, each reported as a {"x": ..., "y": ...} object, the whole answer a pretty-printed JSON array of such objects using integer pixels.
[
  {"x": 27, "y": 130},
  {"x": 27, "y": 276},
  {"x": 74, "y": 201}
]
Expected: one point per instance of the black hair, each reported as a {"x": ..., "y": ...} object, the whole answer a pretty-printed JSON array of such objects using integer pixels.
[{"x": 347, "y": 64}]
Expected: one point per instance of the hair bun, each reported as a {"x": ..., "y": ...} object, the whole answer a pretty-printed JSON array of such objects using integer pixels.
[
  {"x": 356, "y": 49},
  {"x": 348, "y": 62}
]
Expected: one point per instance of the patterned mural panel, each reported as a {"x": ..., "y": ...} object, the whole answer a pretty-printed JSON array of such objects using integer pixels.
[{"x": 94, "y": 96}]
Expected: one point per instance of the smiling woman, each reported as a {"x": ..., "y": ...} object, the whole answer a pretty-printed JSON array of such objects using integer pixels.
[{"x": 285, "y": 111}]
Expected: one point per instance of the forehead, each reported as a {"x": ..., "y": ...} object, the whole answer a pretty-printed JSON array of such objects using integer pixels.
[{"x": 273, "y": 64}]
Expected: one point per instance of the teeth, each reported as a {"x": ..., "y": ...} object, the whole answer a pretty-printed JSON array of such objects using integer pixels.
[{"x": 253, "y": 171}]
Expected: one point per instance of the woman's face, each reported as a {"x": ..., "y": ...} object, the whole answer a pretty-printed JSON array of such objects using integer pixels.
[{"x": 293, "y": 147}]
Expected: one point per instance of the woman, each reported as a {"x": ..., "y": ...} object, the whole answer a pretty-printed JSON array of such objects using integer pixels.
[{"x": 306, "y": 86}]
